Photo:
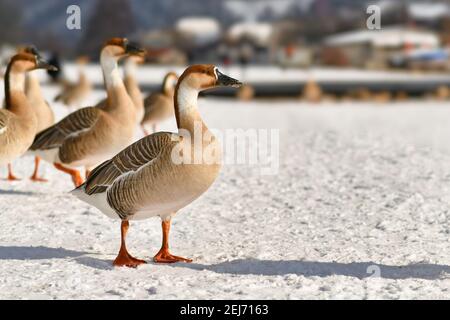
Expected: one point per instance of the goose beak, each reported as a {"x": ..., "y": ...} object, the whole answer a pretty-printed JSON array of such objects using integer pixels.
[
  {"x": 224, "y": 80},
  {"x": 135, "y": 50},
  {"x": 42, "y": 64}
]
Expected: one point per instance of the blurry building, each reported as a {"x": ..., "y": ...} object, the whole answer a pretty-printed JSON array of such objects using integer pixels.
[
  {"x": 249, "y": 42},
  {"x": 375, "y": 48},
  {"x": 161, "y": 47},
  {"x": 198, "y": 37}
]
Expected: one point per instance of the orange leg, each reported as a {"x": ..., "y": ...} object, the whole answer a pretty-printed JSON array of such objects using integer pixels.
[
  {"x": 87, "y": 173},
  {"x": 163, "y": 255},
  {"x": 124, "y": 258},
  {"x": 76, "y": 177},
  {"x": 35, "y": 177},
  {"x": 11, "y": 176}
]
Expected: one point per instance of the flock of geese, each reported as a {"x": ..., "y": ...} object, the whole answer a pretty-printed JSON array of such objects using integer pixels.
[{"x": 123, "y": 179}]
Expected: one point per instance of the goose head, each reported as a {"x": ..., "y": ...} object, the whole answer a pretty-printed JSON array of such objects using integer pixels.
[
  {"x": 169, "y": 83},
  {"x": 29, "y": 59},
  {"x": 205, "y": 76},
  {"x": 121, "y": 48}
]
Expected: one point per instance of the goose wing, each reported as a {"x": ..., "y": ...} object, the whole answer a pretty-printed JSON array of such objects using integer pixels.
[
  {"x": 128, "y": 161},
  {"x": 72, "y": 125}
]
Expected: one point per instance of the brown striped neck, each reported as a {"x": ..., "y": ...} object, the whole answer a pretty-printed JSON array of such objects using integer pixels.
[{"x": 15, "y": 90}]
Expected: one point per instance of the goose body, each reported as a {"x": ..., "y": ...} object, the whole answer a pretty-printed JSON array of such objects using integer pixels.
[
  {"x": 91, "y": 135},
  {"x": 148, "y": 178},
  {"x": 142, "y": 181},
  {"x": 16, "y": 134}
]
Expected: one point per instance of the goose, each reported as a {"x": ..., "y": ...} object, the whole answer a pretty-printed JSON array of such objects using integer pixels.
[
  {"x": 89, "y": 136},
  {"x": 18, "y": 121},
  {"x": 146, "y": 179},
  {"x": 159, "y": 105},
  {"x": 73, "y": 94},
  {"x": 132, "y": 86},
  {"x": 44, "y": 114}
]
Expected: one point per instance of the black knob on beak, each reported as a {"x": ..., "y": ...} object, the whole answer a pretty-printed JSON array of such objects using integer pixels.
[
  {"x": 134, "y": 49},
  {"x": 42, "y": 64},
  {"x": 224, "y": 80}
]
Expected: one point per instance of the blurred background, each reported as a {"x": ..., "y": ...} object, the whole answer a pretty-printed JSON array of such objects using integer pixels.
[{"x": 279, "y": 47}]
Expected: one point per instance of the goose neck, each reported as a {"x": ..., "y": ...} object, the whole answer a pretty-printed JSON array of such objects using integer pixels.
[
  {"x": 32, "y": 86},
  {"x": 186, "y": 108},
  {"x": 110, "y": 71},
  {"x": 15, "y": 99}
]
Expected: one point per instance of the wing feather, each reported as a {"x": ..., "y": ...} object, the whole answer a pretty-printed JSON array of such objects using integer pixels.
[
  {"x": 72, "y": 125},
  {"x": 128, "y": 161}
]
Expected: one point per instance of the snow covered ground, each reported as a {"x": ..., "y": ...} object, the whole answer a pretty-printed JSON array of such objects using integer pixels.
[{"x": 358, "y": 209}]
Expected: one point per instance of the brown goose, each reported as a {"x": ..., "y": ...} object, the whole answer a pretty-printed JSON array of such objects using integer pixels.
[
  {"x": 91, "y": 135},
  {"x": 18, "y": 122},
  {"x": 159, "y": 105},
  {"x": 73, "y": 94},
  {"x": 132, "y": 86},
  {"x": 148, "y": 179},
  {"x": 44, "y": 114}
]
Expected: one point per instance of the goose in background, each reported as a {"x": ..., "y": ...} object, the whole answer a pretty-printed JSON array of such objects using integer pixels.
[
  {"x": 18, "y": 121},
  {"x": 147, "y": 179},
  {"x": 89, "y": 136},
  {"x": 159, "y": 105},
  {"x": 131, "y": 85},
  {"x": 44, "y": 113},
  {"x": 74, "y": 94}
]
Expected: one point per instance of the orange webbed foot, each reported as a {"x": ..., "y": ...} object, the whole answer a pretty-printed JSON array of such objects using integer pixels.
[
  {"x": 38, "y": 179},
  {"x": 12, "y": 177},
  {"x": 126, "y": 260},
  {"x": 164, "y": 256}
]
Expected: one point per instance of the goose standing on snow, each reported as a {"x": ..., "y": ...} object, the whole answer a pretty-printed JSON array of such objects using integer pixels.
[
  {"x": 44, "y": 114},
  {"x": 147, "y": 179},
  {"x": 159, "y": 105},
  {"x": 18, "y": 121},
  {"x": 91, "y": 135}
]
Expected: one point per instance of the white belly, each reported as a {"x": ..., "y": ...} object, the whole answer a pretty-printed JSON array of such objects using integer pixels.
[{"x": 97, "y": 200}]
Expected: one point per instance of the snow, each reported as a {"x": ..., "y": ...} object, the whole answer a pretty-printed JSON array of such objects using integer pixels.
[{"x": 362, "y": 190}]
